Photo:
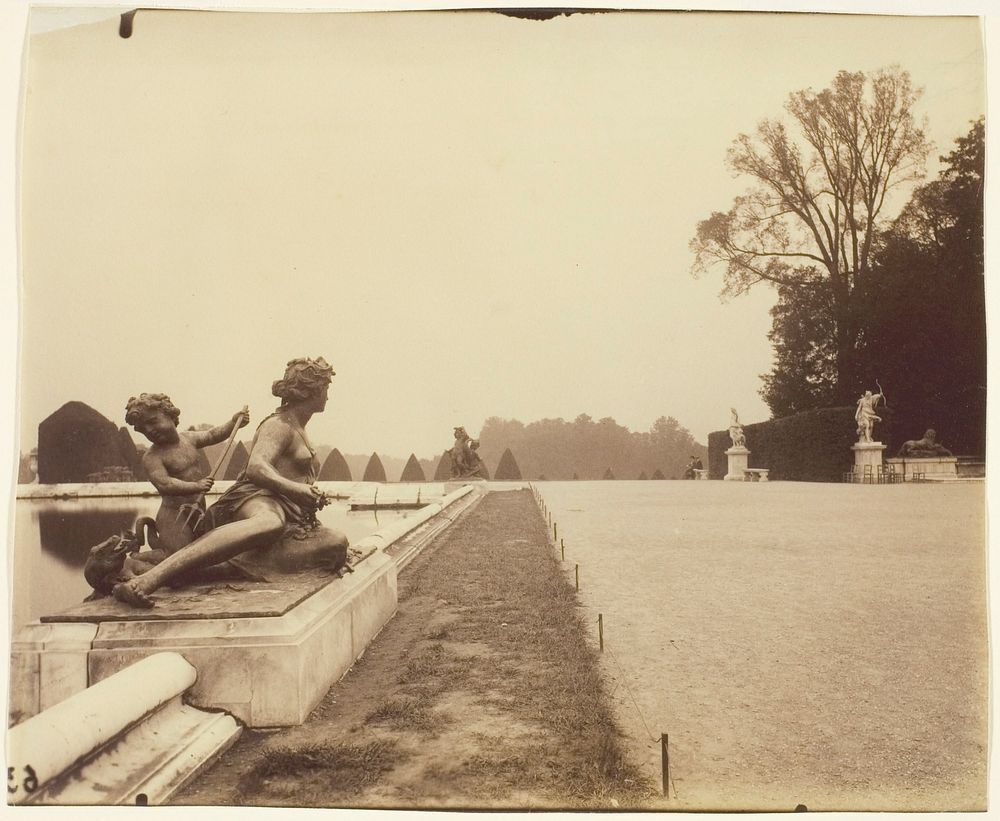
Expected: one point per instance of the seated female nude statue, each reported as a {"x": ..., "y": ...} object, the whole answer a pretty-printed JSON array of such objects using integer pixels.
[{"x": 267, "y": 519}]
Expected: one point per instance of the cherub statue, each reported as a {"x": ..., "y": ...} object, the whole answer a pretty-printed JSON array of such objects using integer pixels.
[
  {"x": 476, "y": 466},
  {"x": 460, "y": 454},
  {"x": 172, "y": 463}
]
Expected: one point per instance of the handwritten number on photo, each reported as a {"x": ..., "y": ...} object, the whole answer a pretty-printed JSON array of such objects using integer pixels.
[{"x": 30, "y": 782}]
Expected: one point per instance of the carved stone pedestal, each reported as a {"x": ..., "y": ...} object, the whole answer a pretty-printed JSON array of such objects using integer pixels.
[
  {"x": 929, "y": 467},
  {"x": 738, "y": 462},
  {"x": 867, "y": 455},
  {"x": 265, "y": 651}
]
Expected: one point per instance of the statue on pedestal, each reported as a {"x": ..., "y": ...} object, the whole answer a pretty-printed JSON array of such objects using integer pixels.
[
  {"x": 465, "y": 461},
  {"x": 865, "y": 415},
  {"x": 736, "y": 430},
  {"x": 926, "y": 448},
  {"x": 268, "y": 517}
]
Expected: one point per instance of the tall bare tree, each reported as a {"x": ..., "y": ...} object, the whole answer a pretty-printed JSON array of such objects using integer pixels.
[{"x": 821, "y": 192}]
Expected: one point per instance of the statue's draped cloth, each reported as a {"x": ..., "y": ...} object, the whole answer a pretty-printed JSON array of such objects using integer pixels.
[{"x": 228, "y": 504}]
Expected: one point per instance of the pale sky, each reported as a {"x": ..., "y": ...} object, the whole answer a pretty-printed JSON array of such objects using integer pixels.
[
  {"x": 466, "y": 214},
  {"x": 681, "y": 353}
]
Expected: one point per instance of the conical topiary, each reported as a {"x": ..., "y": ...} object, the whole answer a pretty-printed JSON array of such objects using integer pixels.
[
  {"x": 374, "y": 472},
  {"x": 643, "y": 475},
  {"x": 443, "y": 472},
  {"x": 237, "y": 462},
  {"x": 131, "y": 454},
  {"x": 575, "y": 477},
  {"x": 412, "y": 472},
  {"x": 608, "y": 474},
  {"x": 204, "y": 468},
  {"x": 658, "y": 474},
  {"x": 75, "y": 442},
  {"x": 507, "y": 469},
  {"x": 335, "y": 468}
]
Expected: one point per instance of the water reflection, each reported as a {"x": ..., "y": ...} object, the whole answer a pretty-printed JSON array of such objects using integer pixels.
[{"x": 69, "y": 534}]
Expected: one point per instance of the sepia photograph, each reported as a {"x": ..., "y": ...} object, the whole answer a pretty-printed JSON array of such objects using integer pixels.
[{"x": 498, "y": 409}]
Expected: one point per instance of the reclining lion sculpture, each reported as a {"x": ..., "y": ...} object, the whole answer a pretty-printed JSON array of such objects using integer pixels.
[{"x": 924, "y": 448}]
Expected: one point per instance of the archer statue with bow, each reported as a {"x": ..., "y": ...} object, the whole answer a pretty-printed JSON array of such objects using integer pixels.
[{"x": 865, "y": 414}]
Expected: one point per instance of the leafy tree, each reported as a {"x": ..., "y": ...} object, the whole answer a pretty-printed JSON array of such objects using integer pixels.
[
  {"x": 927, "y": 331},
  {"x": 584, "y": 447},
  {"x": 805, "y": 357},
  {"x": 819, "y": 197}
]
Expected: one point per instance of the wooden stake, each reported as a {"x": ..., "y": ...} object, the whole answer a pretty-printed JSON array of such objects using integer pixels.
[
  {"x": 555, "y": 531},
  {"x": 600, "y": 629},
  {"x": 665, "y": 762},
  {"x": 562, "y": 550},
  {"x": 578, "y": 578}
]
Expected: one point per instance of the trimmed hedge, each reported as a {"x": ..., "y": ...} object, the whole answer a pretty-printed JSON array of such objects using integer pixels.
[{"x": 813, "y": 446}]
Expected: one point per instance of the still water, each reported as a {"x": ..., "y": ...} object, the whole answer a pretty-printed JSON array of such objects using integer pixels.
[{"x": 53, "y": 537}]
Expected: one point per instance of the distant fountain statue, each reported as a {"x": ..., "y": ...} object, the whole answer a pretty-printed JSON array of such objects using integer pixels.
[
  {"x": 736, "y": 430},
  {"x": 465, "y": 461},
  {"x": 865, "y": 415}
]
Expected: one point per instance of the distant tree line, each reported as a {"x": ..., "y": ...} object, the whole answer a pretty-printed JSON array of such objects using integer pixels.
[{"x": 588, "y": 449}]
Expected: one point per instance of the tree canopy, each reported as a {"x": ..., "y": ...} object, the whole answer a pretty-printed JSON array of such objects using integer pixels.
[
  {"x": 821, "y": 187},
  {"x": 922, "y": 312},
  {"x": 584, "y": 448},
  {"x": 926, "y": 308}
]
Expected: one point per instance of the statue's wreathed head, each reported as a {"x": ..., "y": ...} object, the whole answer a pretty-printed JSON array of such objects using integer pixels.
[
  {"x": 141, "y": 407},
  {"x": 304, "y": 378}
]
